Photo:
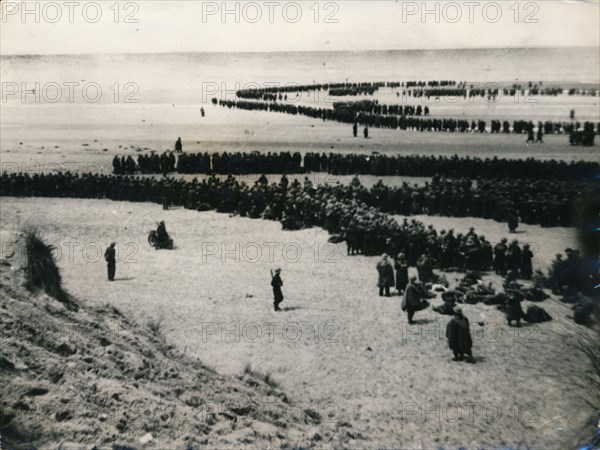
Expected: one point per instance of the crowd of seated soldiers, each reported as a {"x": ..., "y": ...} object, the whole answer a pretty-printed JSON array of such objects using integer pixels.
[{"x": 536, "y": 202}]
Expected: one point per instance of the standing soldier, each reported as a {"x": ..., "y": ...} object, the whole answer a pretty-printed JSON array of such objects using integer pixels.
[
  {"x": 386, "y": 275},
  {"x": 540, "y": 133},
  {"x": 116, "y": 165},
  {"x": 513, "y": 309},
  {"x": 513, "y": 257},
  {"x": 355, "y": 129},
  {"x": 458, "y": 334},
  {"x": 526, "y": 266},
  {"x": 530, "y": 135},
  {"x": 178, "y": 146},
  {"x": 401, "y": 273},
  {"x": 500, "y": 257},
  {"x": 276, "y": 282},
  {"x": 513, "y": 221},
  {"x": 413, "y": 299},
  {"x": 366, "y": 132},
  {"x": 111, "y": 262}
]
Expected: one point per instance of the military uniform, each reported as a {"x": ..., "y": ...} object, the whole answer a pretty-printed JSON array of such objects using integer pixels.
[
  {"x": 276, "y": 283},
  {"x": 458, "y": 334},
  {"x": 110, "y": 258}
]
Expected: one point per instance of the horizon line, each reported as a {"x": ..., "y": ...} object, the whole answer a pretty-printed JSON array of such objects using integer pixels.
[{"x": 303, "y": 51}]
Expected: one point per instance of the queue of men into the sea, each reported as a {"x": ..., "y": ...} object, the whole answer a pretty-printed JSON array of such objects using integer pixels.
[{"x": 418, "y": 89}]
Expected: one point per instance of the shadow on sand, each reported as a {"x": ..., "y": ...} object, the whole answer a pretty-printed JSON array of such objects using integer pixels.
[
  {"x": 291, "y": 308},
  {"x": 423, "y": 321}
]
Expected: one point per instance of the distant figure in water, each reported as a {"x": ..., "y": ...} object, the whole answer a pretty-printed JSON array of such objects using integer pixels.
[
  {"x": 366, "y": 132},
  {"x": 111, "y": 262},
  {"x": 178, "y": 146},
  {"x": 572, "y": 114},
  {"x": 276, "y": 282},
  {"x": 355, "y": 129},
  {"x": 459, "y": 336},
  {"x": 202, "y": 112},
  {"x": 540, "y": 133}
]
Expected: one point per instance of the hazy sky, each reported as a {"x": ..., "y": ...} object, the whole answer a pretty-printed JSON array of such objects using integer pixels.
[{"x": 63, "y": 27}]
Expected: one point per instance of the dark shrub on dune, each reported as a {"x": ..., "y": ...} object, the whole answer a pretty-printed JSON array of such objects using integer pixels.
[{"x": 41, "y": 271}]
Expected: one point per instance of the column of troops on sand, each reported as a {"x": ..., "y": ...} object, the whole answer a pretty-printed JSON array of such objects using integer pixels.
[
  {"x": 365, "y": 229},
  {"x": 549, "y": 198},
  {"x": 352, "y": 164},
  {"x": 579, "y": 134}
]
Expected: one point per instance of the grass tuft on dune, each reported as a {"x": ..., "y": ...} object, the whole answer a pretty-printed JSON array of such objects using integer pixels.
[{"x": 41, "y": 271}]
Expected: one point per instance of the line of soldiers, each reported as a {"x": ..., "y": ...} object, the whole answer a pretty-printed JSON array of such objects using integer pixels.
[
  {"x": 420, "y": 88},
  {"x": 147, "y": 164},
  {"x": 257, "y": 93},
  {"x": 361, "y": 164},
  {"x": 124, "y": 165},
  {"x": 402, "y": 122},
  {"x": 373, "y": 107},
  {"x": 548, "y": 203},
  {"x": 444, "y": 166}
]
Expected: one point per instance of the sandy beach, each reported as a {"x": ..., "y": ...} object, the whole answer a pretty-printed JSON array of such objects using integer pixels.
[{"x": 336, "y": 342}]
